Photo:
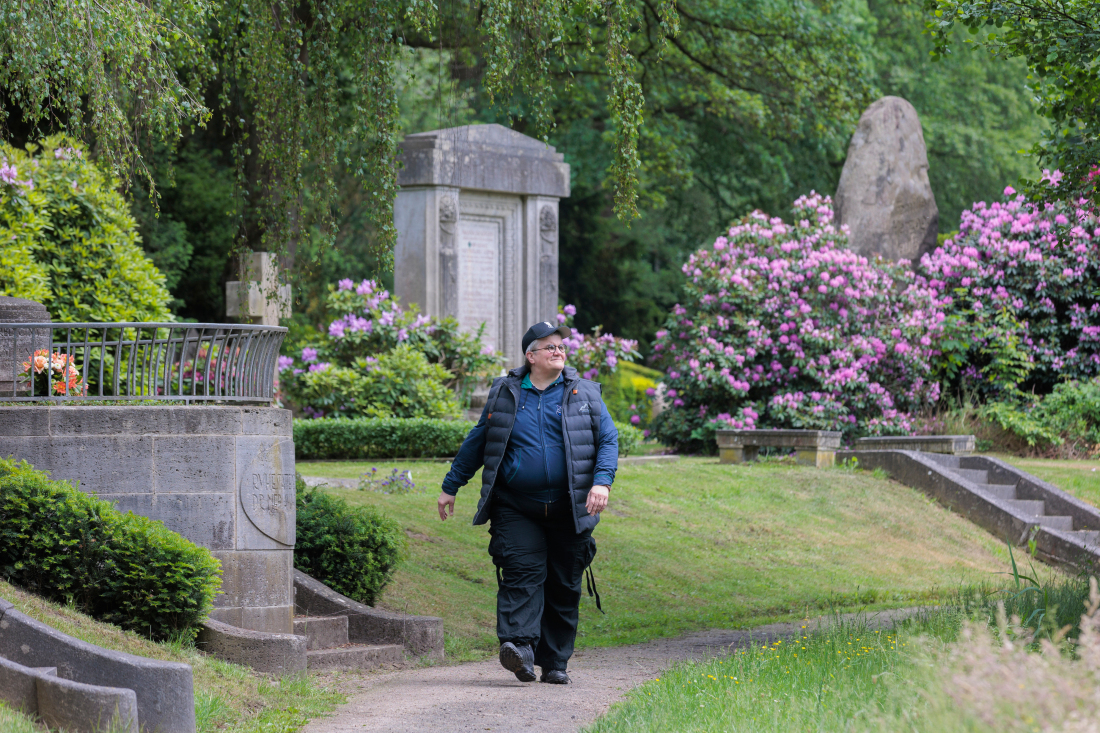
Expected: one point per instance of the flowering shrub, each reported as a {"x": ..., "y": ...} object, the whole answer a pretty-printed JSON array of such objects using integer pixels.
[
  {"x": 598, "y": 354},
  {"x": 601, "y": 357},
  {"x": 379, "y": 359},
  {"x": 783, "y": 327},
  {"x": 400, "y": 383},
  {"x": 43, "y": 366},
  {"x": 1020, "y": 285},
  {"x": 68, "y": 241}
]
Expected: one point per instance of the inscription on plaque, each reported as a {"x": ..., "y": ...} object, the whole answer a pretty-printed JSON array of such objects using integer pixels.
[
  {"x": 267, "y": 493},
  {"x": 479, "y": 278}
]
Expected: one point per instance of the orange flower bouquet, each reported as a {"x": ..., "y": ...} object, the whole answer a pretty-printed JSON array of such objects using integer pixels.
[{"x": 52, "y": 374}]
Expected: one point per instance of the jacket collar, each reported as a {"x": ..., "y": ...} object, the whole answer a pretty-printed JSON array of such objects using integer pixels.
[{"x": 569, "y": 373}]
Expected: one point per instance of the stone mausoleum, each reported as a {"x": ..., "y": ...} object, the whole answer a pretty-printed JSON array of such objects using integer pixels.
[{"x": 477, "y": 229}]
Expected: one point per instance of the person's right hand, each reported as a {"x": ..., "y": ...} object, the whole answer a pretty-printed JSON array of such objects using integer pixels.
[{"x": 446, "y": 504}]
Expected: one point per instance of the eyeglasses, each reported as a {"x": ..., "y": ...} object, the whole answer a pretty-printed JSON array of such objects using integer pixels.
[{"x": 552, "y": 348}]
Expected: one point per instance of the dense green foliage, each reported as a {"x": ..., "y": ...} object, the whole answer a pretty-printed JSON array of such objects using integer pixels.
[
  {"x": 353, "y": 550},
  {"x": 630, "y": 438},
  {"x": 115, "y": 71},
  {"x": 1060, "y": 42},
  {"x": 1066, "y": 421},
  {"x": 68, "y": 241},
  {"x": 401, "y": 383},
  {"x": 378, "y": 438},
  {"x": 128, "y": 570}
]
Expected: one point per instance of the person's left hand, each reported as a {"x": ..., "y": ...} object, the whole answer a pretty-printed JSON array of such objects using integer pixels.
[{"x": 597, "y": 499}]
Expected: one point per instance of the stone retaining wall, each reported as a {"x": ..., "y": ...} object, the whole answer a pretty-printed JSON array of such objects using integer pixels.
[
  {"x": 74, "y": 684},
  {"x": 223, "y": 477}
]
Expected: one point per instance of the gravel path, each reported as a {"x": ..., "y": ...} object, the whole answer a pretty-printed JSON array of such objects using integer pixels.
[{"x": 481, "y": 696}]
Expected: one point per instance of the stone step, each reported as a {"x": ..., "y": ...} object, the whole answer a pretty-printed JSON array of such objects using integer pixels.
[
  {"x": 1088, "y": 536},
  {"x": 1029, "y": 507},
  {"x": 1005, "y": 492},
  {"x": 1052, "y": 521},
  {"x": 355, "y": 656},
  {"x": 973, "y": 475},
  {"x": 323, "y": 632},
  {"x": 945, "y": 460}
]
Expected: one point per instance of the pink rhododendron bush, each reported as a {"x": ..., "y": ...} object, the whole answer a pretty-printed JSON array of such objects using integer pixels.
[
  {"x": 378, "y": 359},
  {"x": 597, "y": 354},
  {"x": 782, "y": 326},
  {"x": 1022, "y": 284}
]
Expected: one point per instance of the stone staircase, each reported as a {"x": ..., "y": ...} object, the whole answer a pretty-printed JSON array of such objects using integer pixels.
[
  {"x": 328, "y": 647},
  {"x": 1004, "y": 500}
]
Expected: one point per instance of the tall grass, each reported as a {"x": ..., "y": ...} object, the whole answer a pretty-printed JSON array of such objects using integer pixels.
[
  {"x": 943, "y": 669},
  {"x": 826, "y": 681}
]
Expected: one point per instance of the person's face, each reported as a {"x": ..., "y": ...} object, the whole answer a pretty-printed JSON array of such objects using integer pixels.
[{"x": 545, "y": 359}]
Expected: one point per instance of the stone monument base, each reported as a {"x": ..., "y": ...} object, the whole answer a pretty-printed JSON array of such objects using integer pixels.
[{"x": 223, "y": 477}]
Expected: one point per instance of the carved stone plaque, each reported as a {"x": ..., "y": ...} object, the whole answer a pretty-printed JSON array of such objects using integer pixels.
[
  {"x": 479, "y": 287},
  {"x": 267, "y": 489}
]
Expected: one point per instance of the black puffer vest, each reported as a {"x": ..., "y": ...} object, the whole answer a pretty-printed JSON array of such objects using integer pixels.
[{"x": 580, "y": 417}]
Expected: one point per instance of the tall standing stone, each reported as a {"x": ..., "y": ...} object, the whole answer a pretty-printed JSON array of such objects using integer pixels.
[
  {"x": 477, "y": 229},
  {"x": 884, "y": 195}
]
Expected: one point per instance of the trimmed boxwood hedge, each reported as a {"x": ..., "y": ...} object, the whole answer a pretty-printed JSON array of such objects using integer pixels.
[
  {"x": 121, "y": 568},
  {"x": 353, "y": 550},
  {"x": 379, "y": 438},
  {"x": 400, "y": 438}
]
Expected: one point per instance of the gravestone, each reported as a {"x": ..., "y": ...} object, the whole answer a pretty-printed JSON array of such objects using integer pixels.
[
  {"x": 258, "y": 298},
  {"x": 884, "y": 195},
  {"x": 477, "y": 229}
]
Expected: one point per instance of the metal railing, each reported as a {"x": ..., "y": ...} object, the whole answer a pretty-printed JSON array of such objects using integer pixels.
[{"x": 188, "y": 362}]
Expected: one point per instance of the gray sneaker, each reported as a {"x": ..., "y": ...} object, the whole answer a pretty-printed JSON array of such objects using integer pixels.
[{"x": 519, "y": 660}]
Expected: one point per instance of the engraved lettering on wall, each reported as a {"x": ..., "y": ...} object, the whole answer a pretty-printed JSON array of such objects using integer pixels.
[
  {"x": 267, "y": 492},
  {"x": 479, "y": 286}
]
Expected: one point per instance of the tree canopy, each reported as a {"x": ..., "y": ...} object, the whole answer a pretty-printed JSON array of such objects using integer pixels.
[
  {"x": 302, "y": 88},
  {"x": 1060, "y": 42}
]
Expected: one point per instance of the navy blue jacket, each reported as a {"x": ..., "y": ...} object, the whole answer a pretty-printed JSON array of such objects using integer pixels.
[{"x": 536, "y": 451}]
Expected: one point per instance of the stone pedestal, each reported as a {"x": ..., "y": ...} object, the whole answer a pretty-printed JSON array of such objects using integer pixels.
[
  {"x": 18, "y": 344},
  {"x": 477, "y": 229},
  {"x": 223, "y": 477}
]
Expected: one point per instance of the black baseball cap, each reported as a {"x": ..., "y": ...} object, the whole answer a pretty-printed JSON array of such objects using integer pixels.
[{"x": 541, "y": 330}]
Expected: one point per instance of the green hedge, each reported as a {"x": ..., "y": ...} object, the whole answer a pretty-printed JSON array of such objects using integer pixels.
[
  {"x": 353, "y": 550},
  {"x": 629, "y": 437},
  {"x": 124, "y": 569},
  {"x": 400, "y": 438},
  {"x": 379, "y": 438}
]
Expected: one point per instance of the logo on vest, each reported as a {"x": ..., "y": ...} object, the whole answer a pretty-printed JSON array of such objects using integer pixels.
[{"x": 585, "y": 409}]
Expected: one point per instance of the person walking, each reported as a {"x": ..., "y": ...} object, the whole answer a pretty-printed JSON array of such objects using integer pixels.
[{"x": 549, "y": 450}]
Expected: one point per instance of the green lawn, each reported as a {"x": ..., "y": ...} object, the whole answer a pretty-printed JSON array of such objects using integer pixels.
[
  {"x": 695, "y": 544},
  {"x": 1080, "y": 478}
]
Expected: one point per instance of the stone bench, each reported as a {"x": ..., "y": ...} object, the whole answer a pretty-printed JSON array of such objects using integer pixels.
[
  {"x": 814, "y": 447},
  {"x": 956, "y": 445}
]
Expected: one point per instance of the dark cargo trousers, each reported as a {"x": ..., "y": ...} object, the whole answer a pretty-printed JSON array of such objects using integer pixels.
[{"x": 540, "y": 562}]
